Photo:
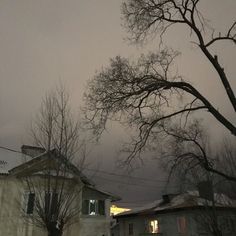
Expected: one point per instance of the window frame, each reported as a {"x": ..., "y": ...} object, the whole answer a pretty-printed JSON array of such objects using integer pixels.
[
  {"x": 99, "y": 208},
  {"x": 26, "y": 202},
  {"x": 51, "y": 199},
  {"x": 153, "y": 229},
  {"x": 130, "y": 228},
  {"x": 226, "y": 223},
  {"x": 181, "y": 225}
]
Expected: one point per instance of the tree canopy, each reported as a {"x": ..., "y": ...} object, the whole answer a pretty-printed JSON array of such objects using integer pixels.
[
  {"x": 57, "y": 190},
  {"x": 149, "y": 94}
]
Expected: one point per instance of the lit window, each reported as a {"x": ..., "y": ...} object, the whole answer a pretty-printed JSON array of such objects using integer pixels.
[
  {"x": 93, "y": 207},
  {"x": 153, "y": 226},
  {"x": 181, "y": 222}
]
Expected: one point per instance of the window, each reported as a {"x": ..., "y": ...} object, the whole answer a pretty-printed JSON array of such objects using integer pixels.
[
  {"x": 154, "y": 226},
  {"x": 29, "y": 201},
  {"x": 181, "y": 223},
  {"x": 131, "y": 229},
  {"x": 226, "y": 224},
  {"x": 93, "y": 207},
  {"x": 51, "y": 203},
  {"x": 203, "y": 223}
]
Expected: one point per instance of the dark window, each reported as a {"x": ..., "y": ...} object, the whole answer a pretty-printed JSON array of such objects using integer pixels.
[
  {"x": 51, "y": 202},
  {"x": 131, "y": 229},
  {"x": 93, "y": 207},
  {"x": 85, "y": 207},
  {"x": 30, "y": 203},
  {"x": 226, "y": 224},
  {"x": 101, "y": 207}
]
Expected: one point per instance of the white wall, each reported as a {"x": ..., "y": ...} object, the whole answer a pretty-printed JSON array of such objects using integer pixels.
[
  {"x": 12, "y": 221},
  {"x": 11, "y": 216},
  {"x": 168, "y": 224}
]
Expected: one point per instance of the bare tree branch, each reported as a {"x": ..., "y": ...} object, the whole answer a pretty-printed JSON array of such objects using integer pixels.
[
  {"x": 145, "y": 18},
  {"x": 57, "y": 187}
]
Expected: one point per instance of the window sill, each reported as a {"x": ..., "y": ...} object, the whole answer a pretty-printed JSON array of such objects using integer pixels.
[{"x": 93, "y": 216}]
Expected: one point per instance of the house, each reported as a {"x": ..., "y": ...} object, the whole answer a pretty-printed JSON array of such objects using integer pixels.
[
  {"x": 187, "y": 214},
  {"x": 20, "y": 196}
]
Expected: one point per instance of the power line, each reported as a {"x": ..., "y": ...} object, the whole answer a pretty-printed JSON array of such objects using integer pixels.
[
  {"x": 127, "y": 183},
  {"x": 126, "y": 176},
  {"x": 9, "y": 149},
  {"x": 113, "y": 174},
  {"x": 132, "y": 184}
]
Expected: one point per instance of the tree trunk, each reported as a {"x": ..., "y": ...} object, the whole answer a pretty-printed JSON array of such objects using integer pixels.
[
  {"x": 217, "y": 232},
  {"x": 54, "y": 230}
]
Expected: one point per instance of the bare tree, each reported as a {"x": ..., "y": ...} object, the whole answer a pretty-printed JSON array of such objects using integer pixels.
[
  {"x": 56, "y": 188},
  {"x": 54, "y": 127},
  {"x": 148, "y": 94},
  {"x": 144, "y": 18},
  {"x": 191, "y": 152},
  {"x": 226, "y": 160},
  {"x": 186, "y": 166},
  {"x": 217, "y": 211}
]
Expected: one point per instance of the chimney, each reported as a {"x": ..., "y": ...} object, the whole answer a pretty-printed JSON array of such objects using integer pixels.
[
  {"x": 205, "y": 190},
  {"x": 31, "y": 150},
  {"x": 166, "y": 198}
]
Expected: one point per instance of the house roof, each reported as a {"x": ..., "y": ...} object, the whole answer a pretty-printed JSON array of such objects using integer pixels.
[
  {"x": 111, "y": 196},
  {"x": 43, "y": 162},
  {"x": 19, "y": 164},
  {"x": 188, "y": 200},
  {"x": 10, "y": 158}
]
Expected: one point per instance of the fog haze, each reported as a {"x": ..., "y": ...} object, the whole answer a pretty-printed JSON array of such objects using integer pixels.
[{"x": 44, "y": 41}]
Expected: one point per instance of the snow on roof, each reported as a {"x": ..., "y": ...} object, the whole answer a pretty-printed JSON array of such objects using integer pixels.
[
  {"x": 185, "y": 200},
  {"x": 147, "y": 207},
  {"x": 10, "y": 159},
  {"x": 112, "y": 196}
]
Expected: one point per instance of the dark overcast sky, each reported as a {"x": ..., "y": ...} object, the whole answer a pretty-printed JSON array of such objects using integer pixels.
[{"x": 44, "y": 41}]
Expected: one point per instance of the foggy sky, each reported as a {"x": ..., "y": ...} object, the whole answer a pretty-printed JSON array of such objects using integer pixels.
[{"x": 45, "y": 41}]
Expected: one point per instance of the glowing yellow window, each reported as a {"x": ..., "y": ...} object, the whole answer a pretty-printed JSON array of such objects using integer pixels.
[{"x": 154, "y": 226}]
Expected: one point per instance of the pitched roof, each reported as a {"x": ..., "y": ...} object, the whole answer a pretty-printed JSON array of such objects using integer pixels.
[
  {"x": 19, "y": 164},
  {"x": 16, "y": 163},
  {"x": 111, "y": 196},
  {"x": 10, "y": 158},
  {"x": 190, "y": 199},
  {"x": 45, "y": 160}
]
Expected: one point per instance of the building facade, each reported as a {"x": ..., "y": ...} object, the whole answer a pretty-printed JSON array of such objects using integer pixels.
[
  {"x": 18, "y": 202},
  {"x": 179, "y": 215}
]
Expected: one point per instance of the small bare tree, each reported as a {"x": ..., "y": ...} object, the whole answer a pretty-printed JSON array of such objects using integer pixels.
[
  {"x": 56, "y": 188},
  {"x": 54, "y": 127}
]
